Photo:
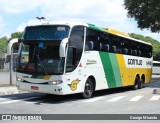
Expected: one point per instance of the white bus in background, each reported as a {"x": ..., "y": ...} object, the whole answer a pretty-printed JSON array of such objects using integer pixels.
[
  {"x": 156, "y": 67},
  {"x": 13, "y": 43}
]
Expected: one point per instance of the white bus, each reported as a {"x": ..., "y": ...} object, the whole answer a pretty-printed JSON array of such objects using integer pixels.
[
  {"x": 13, "y": 44},
  {"x": 156, "y": 67},
  {"x": 71, "y": 57}
]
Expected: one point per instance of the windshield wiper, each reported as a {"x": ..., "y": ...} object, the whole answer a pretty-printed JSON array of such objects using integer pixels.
[
  {"x": 40, "y": 63},
  {"x": 36, "y": 53}
]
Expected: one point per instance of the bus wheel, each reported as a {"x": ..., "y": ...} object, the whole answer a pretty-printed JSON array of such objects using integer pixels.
[
  {"x": 140, "y": 86},
  {"x": 142, "y": 82},
  {"x": 88, "y": 90},
  {"x": 137, "y": 83}
]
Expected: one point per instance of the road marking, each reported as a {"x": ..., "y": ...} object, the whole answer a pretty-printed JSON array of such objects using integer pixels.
[
  {"x": 13, "y": 101},
  {"x": 115, "y": 99},
  {"x": 93, "y": 99},
  {"x": 155, "y": 98},
  {"x": 7, "y": 102},
  {"x": 136, "y": 98},
  {"x": 2, "y": 99}
]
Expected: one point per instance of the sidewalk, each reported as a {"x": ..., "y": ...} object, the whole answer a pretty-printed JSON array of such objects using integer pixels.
[
  {"x": 8, "y": 89},
  {"x": 5, "y": 87}
]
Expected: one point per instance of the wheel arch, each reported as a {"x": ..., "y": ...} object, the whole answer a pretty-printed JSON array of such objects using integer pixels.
[
  {"x": 143, "y": 78},
  {"x": 92, "y": 77},
  {"x": 137, "y": 76},
  {"x": 93, "y": 81}
]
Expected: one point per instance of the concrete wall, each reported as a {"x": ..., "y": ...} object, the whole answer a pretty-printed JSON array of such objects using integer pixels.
[{"x": 5, "y": 78}]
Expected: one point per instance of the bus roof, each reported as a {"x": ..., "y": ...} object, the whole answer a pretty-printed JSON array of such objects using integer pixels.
[
  {"x": 124, "y": 35},
  {"x": 68, "y": 23},
  {"x": 113, "y": 31}
]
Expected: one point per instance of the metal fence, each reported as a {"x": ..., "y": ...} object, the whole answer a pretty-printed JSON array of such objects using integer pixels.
[
  {"x": 2, "y": 63},
  {"x": 2, "y": 60}
]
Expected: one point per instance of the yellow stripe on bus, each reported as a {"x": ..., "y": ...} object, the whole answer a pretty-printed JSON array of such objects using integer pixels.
[{"x": 128, "y": 74}]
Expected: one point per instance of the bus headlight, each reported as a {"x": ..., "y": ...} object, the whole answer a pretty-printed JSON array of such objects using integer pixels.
[
  {"x": 19, "y": 79},
  {"x": 56, "y": 82}
]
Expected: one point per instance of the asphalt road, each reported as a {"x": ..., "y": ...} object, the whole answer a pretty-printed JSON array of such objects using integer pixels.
[{"x": 113, "y": 101}]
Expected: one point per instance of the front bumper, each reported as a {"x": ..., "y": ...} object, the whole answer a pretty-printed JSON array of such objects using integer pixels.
[{"x": 42, "y": 88}]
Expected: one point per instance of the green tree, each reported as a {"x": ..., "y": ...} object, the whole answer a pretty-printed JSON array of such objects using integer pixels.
[
  {"x": 4, "y": 41},
  {"x": 145, "y": 12},
  {"x": 3, "y": 44},
  {"x": 16, "y": 35}
]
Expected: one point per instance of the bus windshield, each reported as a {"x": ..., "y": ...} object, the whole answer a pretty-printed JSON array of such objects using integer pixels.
[
  {"x": 40, "y": 58},
  {"x": 44, "y": 32}
]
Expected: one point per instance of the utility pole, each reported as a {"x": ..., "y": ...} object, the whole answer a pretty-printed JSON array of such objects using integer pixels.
[{"x": 11, "y": 66}]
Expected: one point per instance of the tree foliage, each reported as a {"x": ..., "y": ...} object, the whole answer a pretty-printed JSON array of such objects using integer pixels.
[
  {"x": 3, "y": 44},
  {"x": 145, "y": 12},
  {"x": 4, "y": 41},
  {"x": 155, "y": 43},
  {"x": 16, "y": 35}
]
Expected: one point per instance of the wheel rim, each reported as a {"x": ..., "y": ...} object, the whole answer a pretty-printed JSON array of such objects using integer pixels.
[{"x": 88, "y": 89}]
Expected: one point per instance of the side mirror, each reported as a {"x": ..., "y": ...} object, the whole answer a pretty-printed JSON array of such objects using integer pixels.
[{"x": 62, "y": 48}]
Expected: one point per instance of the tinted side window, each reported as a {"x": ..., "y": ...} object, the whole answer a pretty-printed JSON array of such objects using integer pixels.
[
  {"x": 104, "y": 42},
  {"x": 116, "y": 46},
  {"x": 77, "y": 37},
  {"x": 156, "y": 64},
  {"x": 92, "y": 40},
  {"x": 141, "y": 50},
  {"x": 75, "y": 48},
  {"x": 134, "y": 48},
  {"x": 149, "y": 51},
  {"x": 125, "y": 46}
]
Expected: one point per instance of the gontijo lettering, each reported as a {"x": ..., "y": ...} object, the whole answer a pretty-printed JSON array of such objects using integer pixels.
[{"x": 134, "y": 62}]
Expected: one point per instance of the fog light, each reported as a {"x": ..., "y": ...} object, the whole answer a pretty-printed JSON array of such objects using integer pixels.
[{"x": 57, "y": 82}]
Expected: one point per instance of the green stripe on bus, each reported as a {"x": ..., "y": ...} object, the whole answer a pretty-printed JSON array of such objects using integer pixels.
[
  {"x": 92, "y": 26},
  {"x": 108, "y": 70},
  {"x": 37, "y": 76},
  {"x": 116, "y": 69},
  {"x": 40, "y": 76},
  {"x": 34, "y": 76}
]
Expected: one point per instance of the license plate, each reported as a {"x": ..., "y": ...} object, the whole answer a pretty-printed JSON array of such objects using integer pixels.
[{"x": 34, "y": 88}]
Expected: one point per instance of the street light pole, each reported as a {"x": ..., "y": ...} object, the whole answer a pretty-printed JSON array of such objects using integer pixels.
[{"x": 11, "y": 66}]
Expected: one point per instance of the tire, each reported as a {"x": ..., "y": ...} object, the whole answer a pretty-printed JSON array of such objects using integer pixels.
[
  {"x": 140, "y": 85},
  {"x": 137, "y": 84},
  {"x": 88, "y": 90}
]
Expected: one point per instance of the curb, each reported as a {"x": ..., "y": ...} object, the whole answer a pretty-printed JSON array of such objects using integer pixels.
[
  {"x": 10, "y": 93},
  {"x": 8, "y": 90}
]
